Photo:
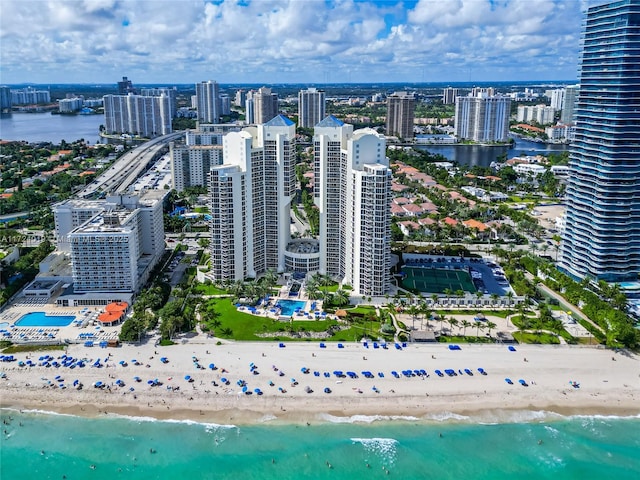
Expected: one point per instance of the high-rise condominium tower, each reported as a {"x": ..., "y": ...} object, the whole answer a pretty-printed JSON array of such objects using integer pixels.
[
  {"x": 158, "y": 91},
  {"x": 250, "y": 200},
  {"x": 353, "y": 194},
  {"x": 262, "y": 105},
  {"x": 449, "y": 95},
  {"x": 569, "y": 104},
  {"x": 401, "y": 108},
  {"x": 251, "y": 196},
  {"x": 137, "y": 115},
  {"x": 207, "y": 97},
  {"x": 483, "y": 118},
  {"x": 125, "y": 87},
  {"x": 311, "y": 107},
  {"x": 114, "y": 243},
  {"x": 602, "y": 234}
]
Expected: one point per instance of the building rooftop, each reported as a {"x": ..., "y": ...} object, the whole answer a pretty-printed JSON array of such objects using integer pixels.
[
  {"x": 279, "y": 121},
  {"x": 330, "y": 121}
]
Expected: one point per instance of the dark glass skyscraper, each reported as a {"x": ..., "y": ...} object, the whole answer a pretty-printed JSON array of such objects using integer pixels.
[{"x": 602, "y": 232}]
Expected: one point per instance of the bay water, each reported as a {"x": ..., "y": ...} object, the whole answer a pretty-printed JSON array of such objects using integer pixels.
[{"x": 531, "y": 445}]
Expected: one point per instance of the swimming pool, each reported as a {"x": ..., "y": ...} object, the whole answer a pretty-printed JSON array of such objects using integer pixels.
[
  {"x": 288, "y": 307},
  {"x": 41, "y": 319}
]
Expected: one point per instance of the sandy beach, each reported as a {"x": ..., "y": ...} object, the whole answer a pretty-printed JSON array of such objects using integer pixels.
[{"x": 609, "y": 382}]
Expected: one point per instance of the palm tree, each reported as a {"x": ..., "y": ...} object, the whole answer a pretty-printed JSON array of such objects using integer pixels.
[
  {"x": 465, "y": 324},
  {"x": 490, "y": 326},
  {"x": 425, "y": 311},
  {"x": 510, "y": 297},
  {"x": 270, "y": 278},
  {"x": 341, "y": 297},
  {"x": 479, "y": 326},
  {"x": 453, "y": 323},
  {"x": 434, "y": 298},
  {"x": 414, "y": 311},
  {"x": 494, "y": 298},
  {"x": 237, "y": 288}
]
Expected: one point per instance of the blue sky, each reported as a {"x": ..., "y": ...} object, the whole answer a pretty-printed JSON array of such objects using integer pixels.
[{"x": 294, "y": 41}]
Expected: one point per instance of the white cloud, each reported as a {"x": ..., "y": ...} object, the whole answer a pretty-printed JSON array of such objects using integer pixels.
[{"x": 183, "y": 41}]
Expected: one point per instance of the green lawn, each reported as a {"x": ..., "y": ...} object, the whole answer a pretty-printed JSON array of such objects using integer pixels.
[
  {"x": 465, "y": 339},
  {"x": 209, "y": 290},
  {"x": 245, "y": 326},
  {"x": 32, "y": 348},
  {"x": 538, "y": 338},
  {"x": 363, "y": 310}
]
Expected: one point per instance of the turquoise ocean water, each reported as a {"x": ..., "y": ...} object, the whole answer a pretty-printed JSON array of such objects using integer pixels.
[{"x": 38, "y": 445}]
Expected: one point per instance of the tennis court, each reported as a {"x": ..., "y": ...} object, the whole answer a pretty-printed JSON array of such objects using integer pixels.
[{"x": 436, "y": 280}]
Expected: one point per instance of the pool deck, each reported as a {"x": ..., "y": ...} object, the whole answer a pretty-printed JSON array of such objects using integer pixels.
[
  {"x": 267, "y": 310},
  {"x": 72, "y": 333}
]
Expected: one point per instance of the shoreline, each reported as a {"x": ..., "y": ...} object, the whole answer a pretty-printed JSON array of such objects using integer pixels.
[
  {"x": 607, "y": 387},
  {"x": 238, "y": 418}
]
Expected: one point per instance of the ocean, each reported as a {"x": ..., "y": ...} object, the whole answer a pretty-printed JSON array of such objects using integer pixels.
[{"x": 529, "y": 445}]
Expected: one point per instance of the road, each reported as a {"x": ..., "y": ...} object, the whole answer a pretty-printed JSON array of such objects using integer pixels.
[{"x": 128, "y": 167}]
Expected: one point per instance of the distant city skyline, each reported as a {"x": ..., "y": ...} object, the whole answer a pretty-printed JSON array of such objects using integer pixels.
[{"x": 296, "y": 41}]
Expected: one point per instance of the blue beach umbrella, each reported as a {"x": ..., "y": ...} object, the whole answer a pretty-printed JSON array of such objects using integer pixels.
[{"x": 212, "y": 366}]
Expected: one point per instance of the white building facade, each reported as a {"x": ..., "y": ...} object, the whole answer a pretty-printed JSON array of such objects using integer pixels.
[
  {"x": 353, "y": 194},
  {"x": 137, "y": 115},
  {"x": 482, "y": 118},
  {"x": 116, "y": 249},
  {"x": 251, "y": 199},
  {"x": 208, "y": 101}
]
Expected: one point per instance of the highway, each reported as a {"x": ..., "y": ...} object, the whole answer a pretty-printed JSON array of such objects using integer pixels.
[{"x": 124, "y": 172}]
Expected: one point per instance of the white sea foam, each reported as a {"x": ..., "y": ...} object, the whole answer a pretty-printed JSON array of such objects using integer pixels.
[
  {"x": 38, "y": 412},
  {"x": 383, "y": 448},
  {"x": 172, "y": 420},
  {"x": 267, "y": 418},
  {"x": 445, "y": 417},
  {"x": 604, "y": 417},
  {"x": 365, "y": 418}
]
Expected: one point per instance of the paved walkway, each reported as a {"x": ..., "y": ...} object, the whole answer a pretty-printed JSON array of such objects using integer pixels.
[{"x": 562, "y": 301}]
